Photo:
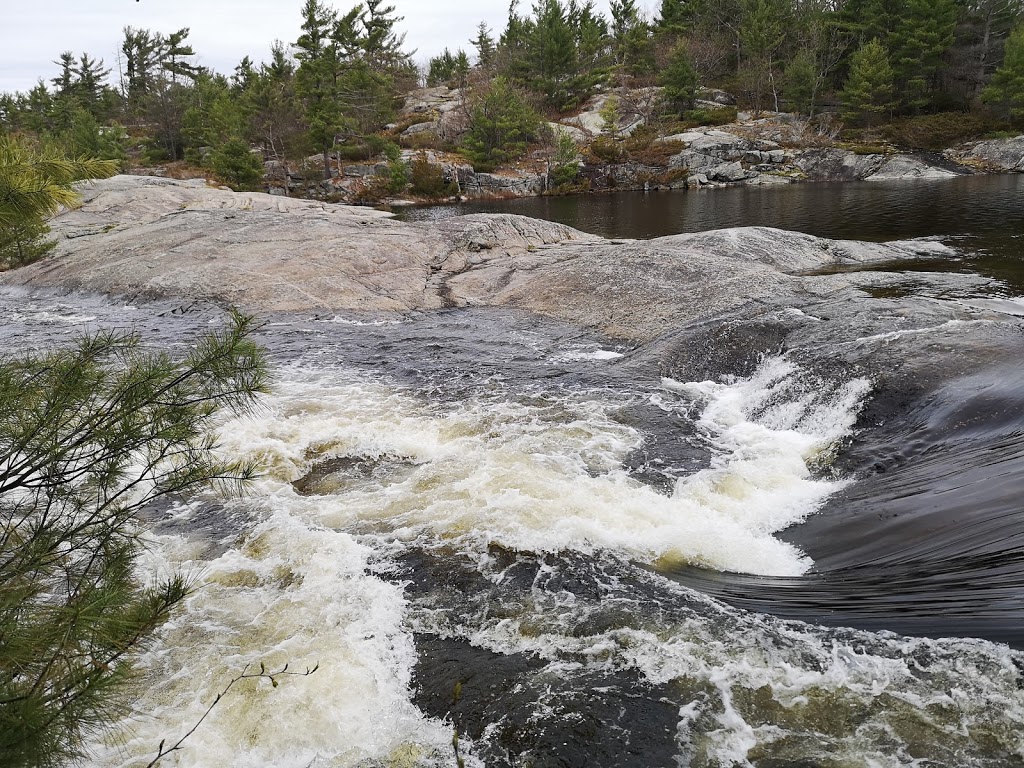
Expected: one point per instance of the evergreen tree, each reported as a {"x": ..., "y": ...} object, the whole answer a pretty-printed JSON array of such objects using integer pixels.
[
  {"x": 500, "y": 127},
  {"x": 631, "y": 38},
  {"x": 762, "y": 36},
  {"x": 869, "y": 89},
  {"x": 237, "y": 164},
  {"x": 317, "y": 76},
  {"x": 1007, "y": 87},
  {"x": 33, "y": 186},
  {"x": 679, "y": 80},
  {"x": 676, "y": 17},
  {"x": 89, "y": 436},
  {"x": 485, "y": 47},
  {"x": 922, "y": 33},
  {"x": 800, "y": 81}
]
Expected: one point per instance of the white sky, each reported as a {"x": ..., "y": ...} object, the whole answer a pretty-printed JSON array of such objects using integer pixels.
[{"x": 33, "y": 33}]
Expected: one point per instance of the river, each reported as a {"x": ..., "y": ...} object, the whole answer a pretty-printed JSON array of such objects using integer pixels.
[{"x": 489, "y": 521}]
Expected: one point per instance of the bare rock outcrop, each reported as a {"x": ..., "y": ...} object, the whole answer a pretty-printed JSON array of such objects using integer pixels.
[{"x": 139, "y": 236}]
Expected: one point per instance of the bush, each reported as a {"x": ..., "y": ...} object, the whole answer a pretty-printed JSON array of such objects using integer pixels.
[
  {"x": 236, "y": 164},
  {"x": 643, "y": 147},
  {"x": 709, "y": 116},
  {"x": 934, "y": 133},
  {"x": 605, "y": 149},
  {"x": 564, "y": 175},
  {"x": 427, "y": 179}
]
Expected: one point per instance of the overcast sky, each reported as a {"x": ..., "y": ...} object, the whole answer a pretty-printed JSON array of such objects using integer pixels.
[{"x": 33, "y": 33}]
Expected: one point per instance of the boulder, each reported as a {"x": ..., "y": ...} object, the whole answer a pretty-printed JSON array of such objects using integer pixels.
[
  {"x": 834, "y": 164},
  {"x": 996, "y": 154},
  {"x": 431, "y": 126},
  {"x": 575, "y": 133},
  {"x": 730, "y": 172},
  {"x": 909, "y": 167}
]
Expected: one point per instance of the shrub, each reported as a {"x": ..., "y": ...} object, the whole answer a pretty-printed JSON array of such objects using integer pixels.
[
  {"x": 934, "y": 133},
  {"x": 427, "y": 179},
  {"x": 605, "y": 149},
  {"x": 234, "y": 162}
]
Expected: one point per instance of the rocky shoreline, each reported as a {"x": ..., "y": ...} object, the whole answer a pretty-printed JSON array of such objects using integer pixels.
[{"x": 775, "y": 148}]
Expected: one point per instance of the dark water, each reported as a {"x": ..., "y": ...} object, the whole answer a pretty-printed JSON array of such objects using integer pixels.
[{"x": 985, "y": 214}]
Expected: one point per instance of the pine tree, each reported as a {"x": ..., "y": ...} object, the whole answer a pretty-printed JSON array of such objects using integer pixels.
[
  {"x": 922, "y": 33},
  {"x": 869, "y": 89},
  {"x": 800, "y": 81},
  {"x": 1007, "y": 87},
  {"x": 89, "y": 436},
  {"x": 317, "y": 77},
  {"x": 679, "y": 80},
  {"x": 500, "y": 127},
  {"x": 33, "y": 186},
  {"x": 485, "y": 47},
  {"x": 631, "y": 38}
]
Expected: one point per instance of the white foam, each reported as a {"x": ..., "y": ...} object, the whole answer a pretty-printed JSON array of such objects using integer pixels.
[
  {"x": 546, "y": 479},
  {"x": 287, "y": 593}
]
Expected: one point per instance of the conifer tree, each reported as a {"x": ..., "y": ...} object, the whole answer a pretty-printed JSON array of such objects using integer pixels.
[
  {"x": 317, "y": 77},
  {"x": 922, "y": 33},
  {"x": 500, "y": 127},
  {"x": 869, "y": 89},
  {"x": 1007, "y": 87},
  {"x": 679, "y": 80},
  {"x": 485, "y": 46},
  {"x": 89, "y": 436},
  {"x": 34, "y": 185}
]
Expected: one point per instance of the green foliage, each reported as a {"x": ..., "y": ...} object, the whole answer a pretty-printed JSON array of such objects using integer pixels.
[
  {"x": 426, "y": 179},
  {"x": 34, "y": 184},
  {"x": 800, "y": 79},
  {"x": 680, "y": 81},
  {"x": 561, "y": 53},
  {"x": 708, "y": 116},
  {"x": 486, "y": 52},
  {"x": 922, "y": 33},
  {"x": 631, "y": 39},
  {"x": 869, "y": 89},
  {"x": 500, "y": 127},
  {"x": 605, "y": 149},
  {"x": 89, "y": 436},
  {"x": 397, "y": 178},
  {"x": 236, "y": 164},
  {"x": 1007, "y": 88},
  {"x": 448, "y": 68}
]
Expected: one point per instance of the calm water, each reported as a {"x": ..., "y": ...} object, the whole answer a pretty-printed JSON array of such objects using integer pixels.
[{"x": 984, "y": 213}]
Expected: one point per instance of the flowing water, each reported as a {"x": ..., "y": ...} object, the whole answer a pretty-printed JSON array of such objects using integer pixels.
[{"x": 486, "y": 521}]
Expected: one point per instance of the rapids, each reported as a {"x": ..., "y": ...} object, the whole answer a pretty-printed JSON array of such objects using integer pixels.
[{"x": 483, "y": 521}]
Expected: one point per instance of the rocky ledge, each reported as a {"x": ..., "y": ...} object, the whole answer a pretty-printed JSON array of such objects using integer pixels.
[{"x": 139, "y": 236}]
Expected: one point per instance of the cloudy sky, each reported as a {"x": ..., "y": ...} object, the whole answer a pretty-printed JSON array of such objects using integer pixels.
[{"x": 34, "y": 32}]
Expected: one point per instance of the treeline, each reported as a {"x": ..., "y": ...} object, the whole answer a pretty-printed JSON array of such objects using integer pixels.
[
  {"x": 894, "y": 57},
  {"x": 336, "y": 90}
]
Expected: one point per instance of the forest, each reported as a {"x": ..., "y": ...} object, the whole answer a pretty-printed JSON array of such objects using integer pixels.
[{"x": 937, "y": 70}]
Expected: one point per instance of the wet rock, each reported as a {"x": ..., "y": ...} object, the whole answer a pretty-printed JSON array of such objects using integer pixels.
[
  {"x": 834, "y": 164},
  {"x": 997, "y": 154}
]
